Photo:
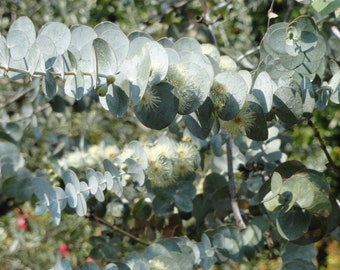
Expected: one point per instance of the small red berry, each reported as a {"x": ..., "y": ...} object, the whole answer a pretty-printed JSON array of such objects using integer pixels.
[{"x": 63, "y": 250}]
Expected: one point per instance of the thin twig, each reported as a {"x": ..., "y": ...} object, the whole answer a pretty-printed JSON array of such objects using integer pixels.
[
  {"x": 38, "y": 110},
  {"x": 248, "y": 53},
  {"x": 115, "y": 228},
  {"x": 207, "y": 21},
  {"x": 16, "y": 97},
  {"x": 290, "y": 7},
  {"x": 270, "y": 11},
  {"x": 232, "y": 188},
  {"x": 331, "y": 164}
]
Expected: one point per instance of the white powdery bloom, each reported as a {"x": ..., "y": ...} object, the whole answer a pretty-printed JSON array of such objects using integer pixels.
[
  {"x": 187, "y": 160},
  {"x": 111, "y": 151},
  {"x": 75, "y": 159},
  {"x": 126, "y": 153},
  {"x": 242, "y": 123},
  {"x": 94, "y": 152},
  {"x": 165, "y": 148},
  {"x": 219, "y": 95},
  {"x": 160, "y": 167},
  {"x": 149, "y": 100},
  {"x": 156, "y": 264}
]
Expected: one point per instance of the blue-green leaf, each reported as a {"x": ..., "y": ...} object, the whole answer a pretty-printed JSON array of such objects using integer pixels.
[
  {"x": 162, "y": 207},
  {"x": 48, "y": 50},
  {"x": 24, "y": 187},
  {"x": 257, "y": 130},
  {"x": 62, "y": 265},
  {"x": 199, "y": 59},
  {"x": 9, "y": 154},
  {"x": 136, "y": 171},
  {"x": 159, "y": 62},
  {"x": 191, "y": 84},
  {"x": 81, "y": 208},
  {"x": 202, "y": 120},
  {"x": 103, "y": 27},
  {"x": 32, "y": 58},
  {"x": 105, "y": 57},
  {"x": 138, "y": 153},
  {"x": 49, "y": 86},
  {"x": 89, "y": 266},
  {"x": 59, "y": 34},
  {"x": 117, "y": 40},
  {"x": 323, "y": 95},
  {"x": 187, "y": 44},
  {"x": 74, "y": 85},
  {"x": 108, "y": 180},
  {"x": 20, "y": 37},
  {"x": 117, "y": 187},
  {"x": 158, "y": 106},
  {"x": 92, "y": 180},
  {"x": 137, "y": 69},
  {"x": 110, "y": 167},
  {"x": 139, "y": 34},
  {"x": 229, "y": 90},
  {"x": 288, "y": 103},
  {"x": 18, "y": 44},
  {"x": 183, "y": 202},
  {"x": 71, "y": 194},
  {"x": 4, "y": 53},
  {"x": 334, "y": 83},
  {"x": 308, "y": 96},
  {"x": 155, "y": 250},
  {"x": 81, "y": 46},
  {"x": 325, "y": 7},
  {"x": 263, "y": 90},
  {"x": 61, "y": 197},
  {"x": 293, "y": 224}
]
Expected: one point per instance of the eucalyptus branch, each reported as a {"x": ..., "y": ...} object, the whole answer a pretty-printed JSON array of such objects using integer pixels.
[
  {"x": 270, "y": 11},
  {"x": 16, "y": 97},
  {"x": 248, "y": 53},
  {"x": 331, "y": 164},
  {"x": 92, "y": 216},
  {"x": 290, "y": 7},
  {"x": 205, "y": 19},
  {"x": 232, "y": 188},
  {"x": 38, "y": 110}
]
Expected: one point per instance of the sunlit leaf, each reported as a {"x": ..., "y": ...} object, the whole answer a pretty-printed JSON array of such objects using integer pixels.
[
  {"x": 71, "y": 194},
  {"x": 136, "y": 171},
  {"x": 18, "y": 44},
  {"x": 58, "y": 33},
  {"x": 263, "y": 90},
  {"x": 232, "y": 89},
  {"x": 288, "y": 104},
  {"x": 158, "y": 106},
  {"x": 334, "y": 83},
  {"x": 325, "y": 7},
  {"x": 201, "y": 121},
  {"x": 105, "y": 57},
  {"x": 191, "y": 85},
  {"x": 137, "y": 69},
  {"x": 74, "y": 85},
  {"x": 4, "y": 53},
  {"x": 49, "y": 86},
  {"x": 187, "y": 44},
  {"x": 293, "y": 224}
]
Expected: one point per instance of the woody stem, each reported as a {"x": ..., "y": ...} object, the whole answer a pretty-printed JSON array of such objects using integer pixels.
[{"x": 232, "y": 188}]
